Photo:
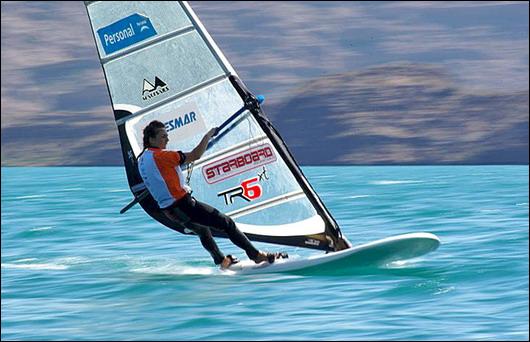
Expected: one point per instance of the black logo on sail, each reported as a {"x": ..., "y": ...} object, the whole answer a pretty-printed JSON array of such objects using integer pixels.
[{"x": 150, "y": 91}]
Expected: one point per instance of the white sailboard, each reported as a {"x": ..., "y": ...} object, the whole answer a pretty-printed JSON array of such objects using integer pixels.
[
  {"x": 377, "y": 253},
  {"x": 160, "y": 63}
]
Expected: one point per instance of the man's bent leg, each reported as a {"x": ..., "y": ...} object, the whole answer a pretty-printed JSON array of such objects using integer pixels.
[
  {"x": 208, "y": 216},
  {"x": 204, "y": 233},
  {"x": 208, "y": 242}
]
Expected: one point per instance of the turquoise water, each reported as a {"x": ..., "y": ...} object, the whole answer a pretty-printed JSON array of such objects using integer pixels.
[{"x": 74, "y": 268}]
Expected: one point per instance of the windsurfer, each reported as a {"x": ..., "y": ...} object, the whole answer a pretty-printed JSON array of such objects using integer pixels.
[{"x": 160, "y": 170}]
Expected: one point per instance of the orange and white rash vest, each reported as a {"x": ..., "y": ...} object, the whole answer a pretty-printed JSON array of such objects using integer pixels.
[{"x": 160, "y": 170}]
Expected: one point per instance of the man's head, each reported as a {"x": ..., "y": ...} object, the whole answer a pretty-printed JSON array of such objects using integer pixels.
[{"x": 155, "y": 135}]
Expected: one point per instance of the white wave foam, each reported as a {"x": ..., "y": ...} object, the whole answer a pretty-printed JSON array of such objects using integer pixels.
[
  {"x": 26, "y": 260},
  {"x": 490, "y": 210},
  {"x": 38, "y": 229},
  {"x": 35, "y": 266},
  {"x": 30, "y": 196},
  {"x": 402, "y": 263},
  {"x": 392, "y": 182},
  {"x": 358, "y": 196},
  {"x": 175, "y": 270},
  {"x": 444, "y": 290},
  {"x": 67, "y": 261}
]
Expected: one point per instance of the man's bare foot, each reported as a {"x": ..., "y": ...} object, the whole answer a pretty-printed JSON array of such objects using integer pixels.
[
  {"x": 228, "y": 261},
  {"x": 262, "y": 256}
]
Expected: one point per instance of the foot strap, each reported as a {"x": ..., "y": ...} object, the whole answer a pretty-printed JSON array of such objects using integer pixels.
[
  {"x": 233, "y": 259},
  {"x": 278, "y": 255}
]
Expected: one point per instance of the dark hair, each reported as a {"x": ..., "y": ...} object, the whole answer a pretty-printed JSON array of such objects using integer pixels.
[{"x": 150, "y": 131}]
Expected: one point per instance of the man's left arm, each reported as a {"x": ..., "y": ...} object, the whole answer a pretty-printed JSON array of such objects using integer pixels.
[{"x": 199, "y": 150}]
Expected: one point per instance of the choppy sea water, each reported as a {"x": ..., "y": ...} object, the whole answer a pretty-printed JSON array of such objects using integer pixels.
[{"x": 74, "y": 268}]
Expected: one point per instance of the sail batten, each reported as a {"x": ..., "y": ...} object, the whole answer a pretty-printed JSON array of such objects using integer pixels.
[{"x": 161, "y": 64}]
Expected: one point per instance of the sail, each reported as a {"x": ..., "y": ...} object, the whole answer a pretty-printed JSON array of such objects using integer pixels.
[{"x": 161, "y": 64}]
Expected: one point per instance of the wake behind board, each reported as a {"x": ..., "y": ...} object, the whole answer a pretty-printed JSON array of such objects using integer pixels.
[{"x": 375, "y": 253}]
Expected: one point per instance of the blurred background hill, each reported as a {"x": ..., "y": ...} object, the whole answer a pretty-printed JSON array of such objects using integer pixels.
[{"x": 345, "y": 82}]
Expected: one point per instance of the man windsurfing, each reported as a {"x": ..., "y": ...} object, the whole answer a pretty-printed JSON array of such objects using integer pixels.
[{"x": 160, "y": 170}]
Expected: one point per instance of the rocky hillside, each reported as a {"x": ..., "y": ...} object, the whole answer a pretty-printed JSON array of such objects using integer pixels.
[{"x": 402, "y": 114}]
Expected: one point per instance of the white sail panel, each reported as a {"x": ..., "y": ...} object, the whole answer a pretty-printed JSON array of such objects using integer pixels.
[
  {"x": 312, "y": 225},
  {"x": 195, "y": 66}
]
